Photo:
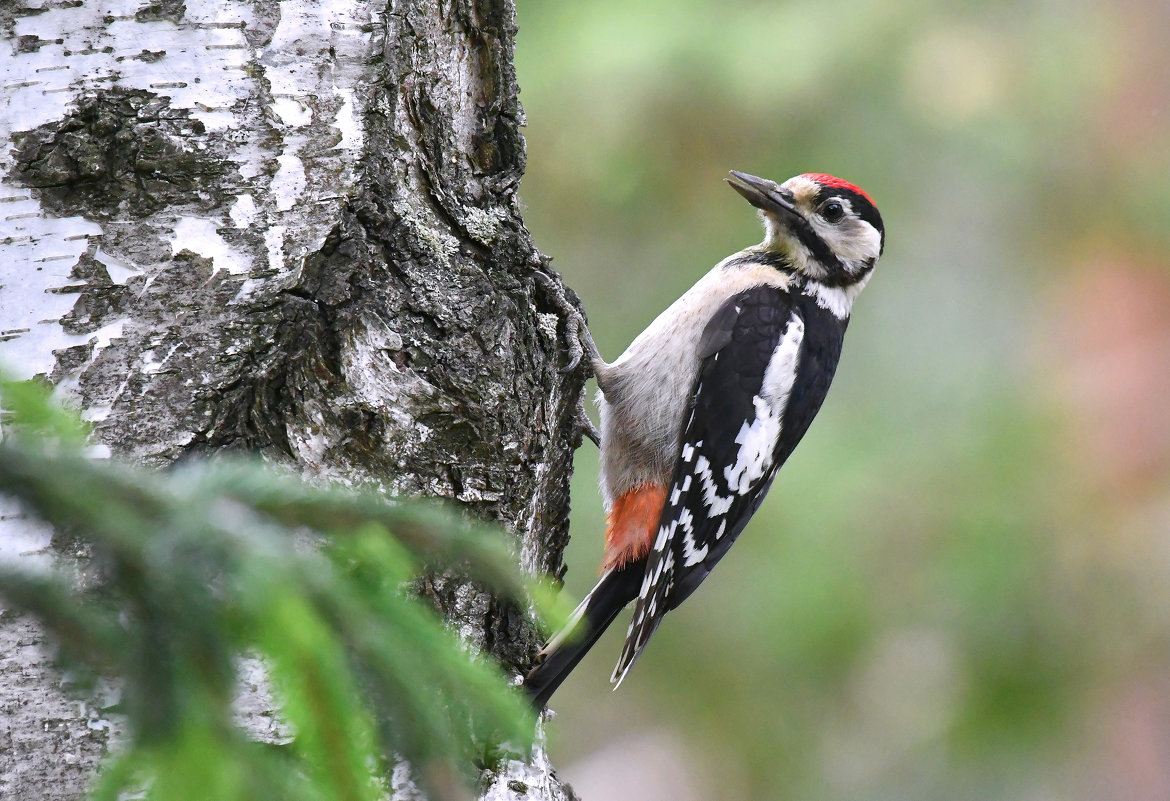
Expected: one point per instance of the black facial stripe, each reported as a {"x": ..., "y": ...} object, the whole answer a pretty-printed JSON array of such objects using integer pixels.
[
  {"x": 760, "y": 257},
  {"x": 818, "y": 248}
]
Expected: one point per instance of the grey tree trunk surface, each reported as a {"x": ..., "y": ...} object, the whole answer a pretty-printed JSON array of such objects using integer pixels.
[{"x": 287, "y": 227}]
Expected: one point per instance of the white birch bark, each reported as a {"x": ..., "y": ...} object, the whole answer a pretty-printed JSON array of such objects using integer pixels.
[{"x": 286, "y": 227}]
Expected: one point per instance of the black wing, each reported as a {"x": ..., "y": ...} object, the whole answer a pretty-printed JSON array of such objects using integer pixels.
[{"x": 768, "y": 357}]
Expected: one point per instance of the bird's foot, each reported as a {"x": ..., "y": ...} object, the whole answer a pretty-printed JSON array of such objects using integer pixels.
[
  {"x": 585, "y": 426},
  {"x": 582, "y": 348},
  {"x": 582, "y": 351}
]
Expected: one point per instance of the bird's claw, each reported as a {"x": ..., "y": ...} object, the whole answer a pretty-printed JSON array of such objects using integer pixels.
[
  {"x": 574, "y": 361},
  {"x": 586, "y": 427},
  {"x": 577, "y": 337},
  {"x": 573, "y": 337},
  {"x": 581, "y": 349}
]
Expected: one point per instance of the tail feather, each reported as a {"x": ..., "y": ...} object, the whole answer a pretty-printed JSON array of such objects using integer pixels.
[
  {"x": 590, "y": 620},
  {"x": 652, "y": 604}
]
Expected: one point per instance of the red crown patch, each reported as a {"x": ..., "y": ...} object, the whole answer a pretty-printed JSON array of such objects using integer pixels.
[{"x": 829, "y": 180}]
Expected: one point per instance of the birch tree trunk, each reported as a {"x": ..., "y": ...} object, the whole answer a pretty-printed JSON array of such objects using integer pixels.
[{"x": 287, "y": 227}]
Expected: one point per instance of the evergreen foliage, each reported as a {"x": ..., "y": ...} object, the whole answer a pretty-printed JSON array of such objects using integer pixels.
[{"x": 197, "y": 568}]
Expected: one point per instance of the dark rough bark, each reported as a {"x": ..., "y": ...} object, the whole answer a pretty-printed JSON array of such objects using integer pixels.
[{"x": 338, "y": 279}]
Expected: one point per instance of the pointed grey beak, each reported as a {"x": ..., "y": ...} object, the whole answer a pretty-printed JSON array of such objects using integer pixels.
[{"x": 763, "y": 194}]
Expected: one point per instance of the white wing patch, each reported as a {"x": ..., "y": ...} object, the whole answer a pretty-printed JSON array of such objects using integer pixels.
[{"x": 757, "y": 438}]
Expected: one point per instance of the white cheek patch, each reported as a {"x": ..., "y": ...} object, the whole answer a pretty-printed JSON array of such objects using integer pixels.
[{"x": 854, "y": 240}]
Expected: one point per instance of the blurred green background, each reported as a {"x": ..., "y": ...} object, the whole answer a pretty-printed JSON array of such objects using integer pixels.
[{"x": 959, "y": 586}]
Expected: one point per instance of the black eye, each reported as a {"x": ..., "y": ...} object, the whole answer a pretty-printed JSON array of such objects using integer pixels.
[{"x": 833, "y": 212}]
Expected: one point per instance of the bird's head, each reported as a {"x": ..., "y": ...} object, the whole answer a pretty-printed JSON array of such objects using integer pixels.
[{"x": 827, "y": 229}]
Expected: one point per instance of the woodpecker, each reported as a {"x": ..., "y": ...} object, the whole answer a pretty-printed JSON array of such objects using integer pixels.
[{"x": 709, "y": 401}]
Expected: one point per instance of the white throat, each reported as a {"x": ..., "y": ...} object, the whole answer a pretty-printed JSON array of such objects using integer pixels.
[{"x": 838, "y": 300}]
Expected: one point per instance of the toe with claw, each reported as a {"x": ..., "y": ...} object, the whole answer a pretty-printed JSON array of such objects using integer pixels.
[
  {"x": 585, "y": 425},
  {"x": 582, "y": 348}
]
